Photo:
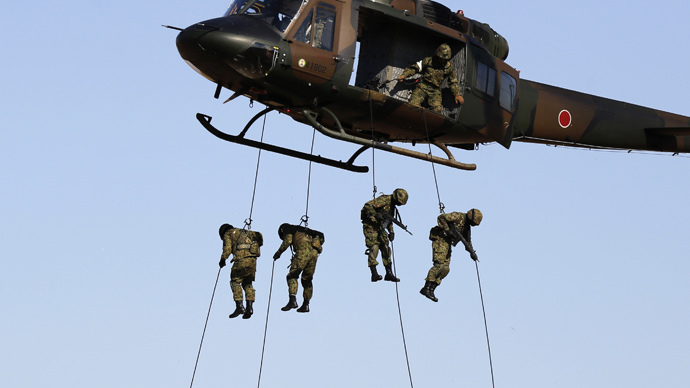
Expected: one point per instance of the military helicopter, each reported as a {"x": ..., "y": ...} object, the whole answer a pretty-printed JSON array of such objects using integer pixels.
[{"x": 298, "y": 57}]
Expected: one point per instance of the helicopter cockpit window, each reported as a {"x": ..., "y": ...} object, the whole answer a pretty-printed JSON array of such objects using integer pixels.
[
  {"x": 318, "y": 28},
  {"x": 278, "y": 13},
  {"x": 508, "y": 92}
]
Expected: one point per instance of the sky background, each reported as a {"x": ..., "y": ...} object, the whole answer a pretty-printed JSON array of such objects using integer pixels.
[{"x": 112, "y": 195}]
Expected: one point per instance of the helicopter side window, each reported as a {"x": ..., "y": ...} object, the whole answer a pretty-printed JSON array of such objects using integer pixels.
[
  {"x": 486, "y": 79},
  {"x": 318, "y": 28},
  {"x": 508, "y": 92}
]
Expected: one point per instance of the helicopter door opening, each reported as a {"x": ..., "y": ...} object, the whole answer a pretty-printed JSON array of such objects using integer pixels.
[{"x": 387, "y": 46}]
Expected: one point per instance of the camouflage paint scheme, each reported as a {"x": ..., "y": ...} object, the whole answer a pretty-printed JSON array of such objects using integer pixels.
[{"x": 295, "y": 77}]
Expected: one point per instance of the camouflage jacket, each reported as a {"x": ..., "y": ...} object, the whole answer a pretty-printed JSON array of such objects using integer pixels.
[
  {"x": 241, "y": 243},
  {"x": 446, "y": 221},
  {"x": 383, "y": 203},
  {"x": 434, "y": 74},
  {"x": 300, "y": 240}
]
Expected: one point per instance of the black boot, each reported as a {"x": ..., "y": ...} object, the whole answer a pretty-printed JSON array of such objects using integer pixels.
[
  {"x": 249, "y": 310},
  {"x": 292, "y": 304},
  {"x": 428, "y": 291},
  {"x": 305, "y": 307},
  {"x": 375, "y": 277},
  {"x": 238, "y": 310},
  {"x": 389, "y": 275}
]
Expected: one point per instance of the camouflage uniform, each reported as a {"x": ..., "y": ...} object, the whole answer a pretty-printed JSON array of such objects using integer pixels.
[
  {"x": 441, "y": 245},
  {"x": 244, "y": 245},
  {"x": 376, "y": 238},
  {"x": 306, "y": 245},
  {"x": 434, "y": 70}
]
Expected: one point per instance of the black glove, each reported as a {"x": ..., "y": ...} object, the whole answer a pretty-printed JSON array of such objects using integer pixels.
[
  {"x": 391, "y": 236},
  {"x": 276, "y": 256},
  {"x": 221, "y": 263}
]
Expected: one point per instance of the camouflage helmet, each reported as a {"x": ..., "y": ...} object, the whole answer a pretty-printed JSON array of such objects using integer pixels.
[
  {"x": 443, "y": 51},
  {"x": 283, "y": 230},
  {"x": 474, "y": 216},
  {"x": 400, "y": 196},
  {"x": 224, "y": 228}
]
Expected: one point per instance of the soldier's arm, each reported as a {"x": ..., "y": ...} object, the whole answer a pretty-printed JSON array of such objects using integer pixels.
[
  {"x": 287, "y": 240},
  {"x": 411, "y": 70}
]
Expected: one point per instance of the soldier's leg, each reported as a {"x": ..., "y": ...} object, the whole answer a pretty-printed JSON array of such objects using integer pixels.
[
  {"x": 435, "y": 99},
  {"x": 236, "y": 287},
  {"x": 371, "y": 241},
  {"x": 291, "y": 277},
  {"x": 418, "y": 96},
  {"x": 307, "y": 277}
]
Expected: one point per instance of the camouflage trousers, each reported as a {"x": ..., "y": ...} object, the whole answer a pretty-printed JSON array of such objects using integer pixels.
[
  {"x": 441, "y": 257},
  {"x": 303, "y": 262},
  {"x": 424, "y": 91},
  {"x": 376, "y": 239},
  {"x": 241, "y": 278}
]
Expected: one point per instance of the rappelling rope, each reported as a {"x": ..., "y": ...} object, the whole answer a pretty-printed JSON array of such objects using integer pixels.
[
  {"x": 305, "y": 218},
  {"x": 397, "y": 293},
  {"x": 248, "y": 221},
  {"x": 247, "y": 225},
  {"x": 373, "y": 154},
  {"x": 203, "y": 334},
  {"x": 268, "y": 309},
  {"x": 441, "y": 207},
  {"x": 402, "y": 328},
  {"x": 486, "y": 327}
]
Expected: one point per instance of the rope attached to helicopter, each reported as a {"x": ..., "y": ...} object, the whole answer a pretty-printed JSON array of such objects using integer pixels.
[
  {"x": 441, "y": 207},
  {"x": 397, "y": 292}
]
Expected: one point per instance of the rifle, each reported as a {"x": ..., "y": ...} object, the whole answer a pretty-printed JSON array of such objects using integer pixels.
[
  {"x": 386, "y": 219},
  {"x": 456, "y": 237}
]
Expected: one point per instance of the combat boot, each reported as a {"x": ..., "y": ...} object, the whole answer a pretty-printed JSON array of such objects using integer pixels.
[
  {"x": 238, "y": 310},
  {"x": 305, "y": 307},
  {"x": 375, "y": 277},
  {"x": 389, "y": 275},
  {"x": 426, "y": 291},
  {"x": 432, "y": 288},
  {"x": 292, "y": 304},
  {"x": 249, "y": 310}
]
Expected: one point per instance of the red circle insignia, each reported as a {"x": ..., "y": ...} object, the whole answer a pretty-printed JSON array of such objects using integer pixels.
[{"x": 565, "y": 119}]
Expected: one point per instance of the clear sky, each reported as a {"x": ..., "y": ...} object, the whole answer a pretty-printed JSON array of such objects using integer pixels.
[{"x": 112, "y": 195}]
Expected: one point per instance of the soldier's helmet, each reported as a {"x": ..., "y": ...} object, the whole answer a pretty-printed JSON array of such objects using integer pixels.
[
  {"x": 474, "y": 216},
  {"x": 224, "y": 228},
  {"x": 400, "y": 196},
  {"x": 443, "y": 51},
  {"x": 283, "y": 230}
]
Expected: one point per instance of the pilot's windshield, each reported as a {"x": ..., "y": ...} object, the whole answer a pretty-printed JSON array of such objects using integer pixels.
[{"x": 279, "y": 13}]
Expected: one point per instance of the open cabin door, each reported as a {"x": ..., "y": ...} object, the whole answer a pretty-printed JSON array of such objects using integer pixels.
[{"x": 388, "y": 45}]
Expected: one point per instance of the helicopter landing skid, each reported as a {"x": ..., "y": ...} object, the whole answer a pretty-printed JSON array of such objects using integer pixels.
[
  {"x": 340, "y": 134},
  {"x": 240, "y": 139}
]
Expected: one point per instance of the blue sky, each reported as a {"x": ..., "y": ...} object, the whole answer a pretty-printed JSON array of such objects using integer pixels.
[{"x": 113, "y": 195}]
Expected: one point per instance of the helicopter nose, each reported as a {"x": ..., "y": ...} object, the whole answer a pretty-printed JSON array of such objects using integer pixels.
[{"x": 245, "y": 44}]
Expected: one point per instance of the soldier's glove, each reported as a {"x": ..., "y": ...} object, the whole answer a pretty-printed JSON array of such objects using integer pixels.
[
  {"x": 459, "y": 100},
  {"x": 391, "y": 236},
  {"x": 221, "y": 264},
  {"x": 474, "y": 257},
  {"x": 276, "y": 256}
]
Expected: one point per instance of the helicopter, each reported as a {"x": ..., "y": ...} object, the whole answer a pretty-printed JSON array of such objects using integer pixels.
[{"x": 335, "y": 65}]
